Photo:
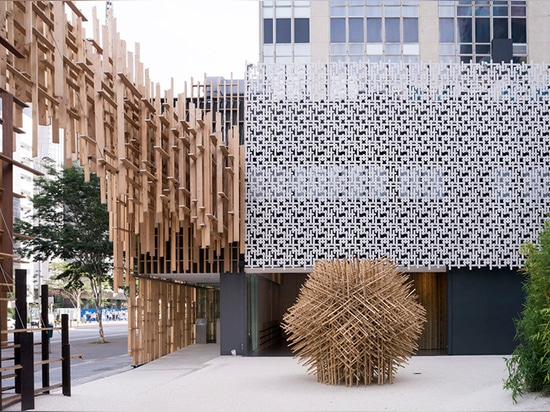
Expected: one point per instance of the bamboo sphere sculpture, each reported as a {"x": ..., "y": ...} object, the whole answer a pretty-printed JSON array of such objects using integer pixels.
[{"x": 355, "y": 321}]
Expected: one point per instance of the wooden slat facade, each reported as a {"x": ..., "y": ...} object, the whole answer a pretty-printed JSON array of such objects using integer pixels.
[
  {"x": 171, "y": 163},
  {"x": 431, "y": 289}
]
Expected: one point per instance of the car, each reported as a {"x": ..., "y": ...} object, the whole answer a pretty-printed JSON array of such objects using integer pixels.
[{"x": 11, "y": 323}]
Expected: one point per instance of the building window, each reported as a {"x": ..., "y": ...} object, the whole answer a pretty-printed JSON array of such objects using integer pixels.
[
  {"x": 286, "y": 31},
  {"x": 500, "y": 10},
  {"x": 338, "y": 30},
  {"x": 410, "y": 30},
  {"x": 483, "y": 30},
  {"x": 467, "y": 29},
  {"x": 500, "y": 29},
  {"x": 464, "y": 11},
  {"x": 393, "y": 30},
  {"x": 268, "y": 31},
  {"x": 301, "y": 30},
  {"x": 519, "y": 31},
  {"x": 283, "y": 30},
  {"x": 446, "y": 30},
  {"x": 375, "y": 30},
  {"x": 356, "y": 30}
]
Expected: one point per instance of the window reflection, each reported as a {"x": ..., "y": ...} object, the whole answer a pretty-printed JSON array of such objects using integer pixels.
[
  {"x": 500, "y": 28},
  {"x": 464, "y": 11},
  {"x": 519, "y": 31},
  {"x": 518, "y": 11},
  {"x": 464, "y": 30},
  {"x": 482, "y": 11},
  {"x": 500, "y": 11},
  {"x": 446, "y": 30},
  {"x": 483, "y": 30}
]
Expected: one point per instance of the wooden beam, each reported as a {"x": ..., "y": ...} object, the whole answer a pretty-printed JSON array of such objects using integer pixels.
[
  {"x": 20, "y": 165},
  {"x": 11, "y": 48}
]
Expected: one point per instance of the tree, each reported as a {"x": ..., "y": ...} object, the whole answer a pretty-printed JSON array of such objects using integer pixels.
[
  {"x": 74, "y": 293},
  {"x": 70, "y": 223},
  {"x": 529, "y": 365}
]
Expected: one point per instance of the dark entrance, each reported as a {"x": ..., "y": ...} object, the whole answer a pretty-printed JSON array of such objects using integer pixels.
[
  {"x": 431, "y": 289},
  {"x": 269, "y": 297}
]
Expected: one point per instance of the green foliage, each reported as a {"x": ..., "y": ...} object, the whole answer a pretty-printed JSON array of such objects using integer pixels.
[
  {"x": 69, "y": 222},
  {"x": 529, "y": 365}
]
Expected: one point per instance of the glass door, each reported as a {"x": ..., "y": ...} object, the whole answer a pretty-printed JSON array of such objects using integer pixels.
[{"x": 252, "y": 312}]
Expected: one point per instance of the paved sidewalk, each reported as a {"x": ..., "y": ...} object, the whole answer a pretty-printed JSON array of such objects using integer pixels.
[{"x": 196, "y": 378}]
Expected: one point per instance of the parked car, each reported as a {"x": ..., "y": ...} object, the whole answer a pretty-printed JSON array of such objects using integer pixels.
[{"x": 11, "y": 323}]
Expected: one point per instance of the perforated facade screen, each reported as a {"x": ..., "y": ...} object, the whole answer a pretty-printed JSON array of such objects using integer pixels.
[{"x": 430, "y": 165}]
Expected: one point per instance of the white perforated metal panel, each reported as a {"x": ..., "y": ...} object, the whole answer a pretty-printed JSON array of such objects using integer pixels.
[{"x": 430, "y": 165}]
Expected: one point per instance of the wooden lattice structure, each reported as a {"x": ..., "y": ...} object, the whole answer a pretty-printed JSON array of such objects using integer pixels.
[
  {"x": 355, "y": 321},
  {"x": 171, "y": 164}
]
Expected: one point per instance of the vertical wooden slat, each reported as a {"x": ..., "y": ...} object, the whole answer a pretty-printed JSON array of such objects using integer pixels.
[
  {"x": 164, "y": 204},
  {"x": 431, "y": 290}
]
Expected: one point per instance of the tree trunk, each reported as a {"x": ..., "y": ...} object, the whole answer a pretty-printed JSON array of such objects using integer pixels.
[
  {"x": 78, "y": 305},
  {"x": 100, "y": 323},
  {"x": 97, "y": 290}
]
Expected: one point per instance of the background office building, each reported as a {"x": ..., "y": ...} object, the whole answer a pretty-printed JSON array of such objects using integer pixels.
[{"x": 402, "y": 30}]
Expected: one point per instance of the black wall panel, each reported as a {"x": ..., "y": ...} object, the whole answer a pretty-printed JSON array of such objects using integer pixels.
[
  {"x": 482, "y": 306},
  {"x": 233, "y": 313}
]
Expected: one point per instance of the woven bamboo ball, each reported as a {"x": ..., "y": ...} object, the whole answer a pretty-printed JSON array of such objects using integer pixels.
[{"x": 355, "y": 321}]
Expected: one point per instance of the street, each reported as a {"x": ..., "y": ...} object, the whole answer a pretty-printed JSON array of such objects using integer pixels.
[{"x": 97, "y": 360}]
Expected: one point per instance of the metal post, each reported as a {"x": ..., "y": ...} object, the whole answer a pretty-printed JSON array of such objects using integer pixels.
[
  {"x": 27, "y": 371},
  {"x": 66, "y": 355},
  {"x": 6, "y": 197},
  {"x": 45, "y": 337},
  {"x": 20, "y": 320},
  {"x": 6, "y": 205}
]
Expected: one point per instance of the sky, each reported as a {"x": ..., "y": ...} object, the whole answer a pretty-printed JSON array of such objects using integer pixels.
[{"x": 184, "y": 39}]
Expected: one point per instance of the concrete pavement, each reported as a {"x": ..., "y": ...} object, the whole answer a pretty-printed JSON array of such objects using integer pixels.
[{"x": 196, "y": 378}]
